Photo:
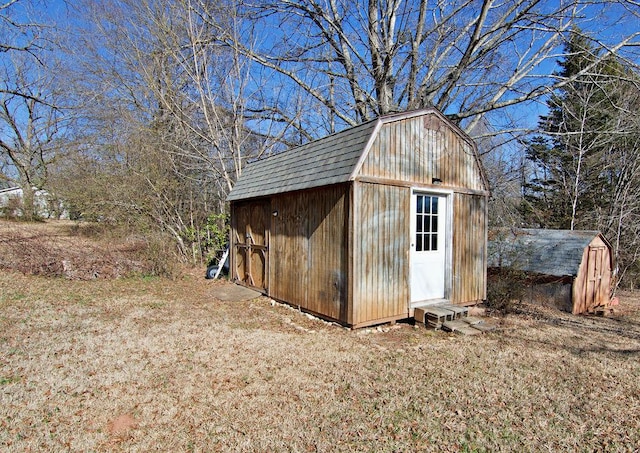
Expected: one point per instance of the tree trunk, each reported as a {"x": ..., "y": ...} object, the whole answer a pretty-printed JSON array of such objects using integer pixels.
[{"x": 29, "y": 211}]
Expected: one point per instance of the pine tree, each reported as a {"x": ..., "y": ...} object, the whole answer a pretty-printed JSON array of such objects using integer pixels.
[
  {"x": 583, "y": 169},
  {"x": 568, "y": 161}
]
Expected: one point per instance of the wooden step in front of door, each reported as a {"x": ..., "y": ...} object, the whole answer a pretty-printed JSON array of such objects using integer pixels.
[{"x": 450, "y": 318}]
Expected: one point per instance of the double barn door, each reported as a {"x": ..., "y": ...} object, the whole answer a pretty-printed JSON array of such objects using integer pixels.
[
  {"x": 250, "y": 230},
  {"x": 597, "y": 290}
]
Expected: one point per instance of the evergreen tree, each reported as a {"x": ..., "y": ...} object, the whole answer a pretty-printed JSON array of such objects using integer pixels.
[
  {"x": 583, "y": 170},
  {"x": 568, "y": 163}
]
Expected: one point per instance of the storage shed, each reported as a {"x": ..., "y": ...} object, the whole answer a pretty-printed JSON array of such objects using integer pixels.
[
  {"x": 569, "y": 270},
  {"x": 364, "y": 225}
]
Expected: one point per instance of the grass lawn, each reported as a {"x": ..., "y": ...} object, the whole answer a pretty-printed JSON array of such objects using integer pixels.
[{"x": 151, "y": 364}]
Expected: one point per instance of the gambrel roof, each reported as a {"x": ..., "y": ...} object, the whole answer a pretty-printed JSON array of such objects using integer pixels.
[
  {"x": 334, "y": 159},
  {"x": 549, "y": 252}
]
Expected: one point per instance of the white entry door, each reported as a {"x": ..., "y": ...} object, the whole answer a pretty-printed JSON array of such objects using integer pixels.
[{"x": 428, "y": 246}]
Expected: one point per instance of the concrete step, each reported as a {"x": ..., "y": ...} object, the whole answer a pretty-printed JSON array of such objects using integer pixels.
[
  {"x": 451, "y": 318},
  {"x": 459, "y": 311},
  {"x": 472, "y": 320},
  {"x": 485, "y": 326},
  {"x": 433, "y": 316},
  {"x": 460, "y": 327}
]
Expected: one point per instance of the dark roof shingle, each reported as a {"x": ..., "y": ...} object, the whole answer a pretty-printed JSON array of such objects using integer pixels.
[
  {"x": 550, "y": 252},
  {"x": 329, "y": 160}
]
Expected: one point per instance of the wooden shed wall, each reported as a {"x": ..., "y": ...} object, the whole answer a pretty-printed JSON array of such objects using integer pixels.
[
  {"x": 380, "y": 253},
  {"x": 410, "y": 153},
  {"x": 469, "y": 249},
  {"x": 308, "y": 250},
  {"x": 422, "y": 148},
  {"x": 592, "y": 285}
]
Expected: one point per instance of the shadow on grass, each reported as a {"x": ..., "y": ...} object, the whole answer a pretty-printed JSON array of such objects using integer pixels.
[{"x": 607, "y": 332}]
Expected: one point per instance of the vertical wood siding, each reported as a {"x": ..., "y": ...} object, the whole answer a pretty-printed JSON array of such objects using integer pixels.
[
  {"x": 592, "y": 285},
  {"x": 414, "y": 151},
  {"x": 308, "y": 250},
  {"x": 419, "y": 149},
  {"x": 469, "y": 249},
  {"x": 250, "y": 242},
  {"x": 381, "y": 253}
]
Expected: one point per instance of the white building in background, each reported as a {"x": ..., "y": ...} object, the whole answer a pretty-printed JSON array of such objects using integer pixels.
[{"x": 46, "y": 206}]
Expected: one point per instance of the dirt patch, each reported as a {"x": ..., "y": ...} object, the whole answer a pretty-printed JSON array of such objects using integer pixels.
[
  {"x": 122, "y": 424},
  {"x": 618, "y": 326},
  {"x": 234, "y": 293},
  {"x": 60, "y": 249}
]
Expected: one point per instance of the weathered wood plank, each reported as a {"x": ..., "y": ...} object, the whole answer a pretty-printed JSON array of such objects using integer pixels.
[
  {"x": 249, "y": 243},
  {"x": 426, "y": 186},
  {"x": 417, "y": 150},
  {"x": 469, "y": 256},
  {"x": 382, "y": 283},
  {"x": 308, "y": 250}
]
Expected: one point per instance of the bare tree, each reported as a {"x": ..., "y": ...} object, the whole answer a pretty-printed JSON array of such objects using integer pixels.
[
  {"x": 213, "y": 111},
  {"x": 604, "y": 181},
  {"x": 354, "y": 60},
  {"x": 30, "y": 114},
  {"x": 588, "y": 142},
  {"x": 30, "y": 129},
  {"x": 620, "y": 217},
  {"x": 166, "y": 114},
  {"x": 18, "y": 33},
  {"x": 589, "y": 168}
]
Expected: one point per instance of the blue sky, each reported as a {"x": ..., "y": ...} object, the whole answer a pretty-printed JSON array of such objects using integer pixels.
[{"x": 606, "y": 21}]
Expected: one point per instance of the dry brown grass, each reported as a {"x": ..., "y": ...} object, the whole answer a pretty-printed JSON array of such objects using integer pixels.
[
  {"x": 69, "y": 249},
  {"x": 155, "y": 364}
]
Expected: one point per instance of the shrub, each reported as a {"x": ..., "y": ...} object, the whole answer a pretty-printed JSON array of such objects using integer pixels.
[
  {"x": 505, "y": 289},
  {"x": 207, "y": 240},
  {"x": 13, "y": 209},
  {"x": 160, "y": 255}
]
